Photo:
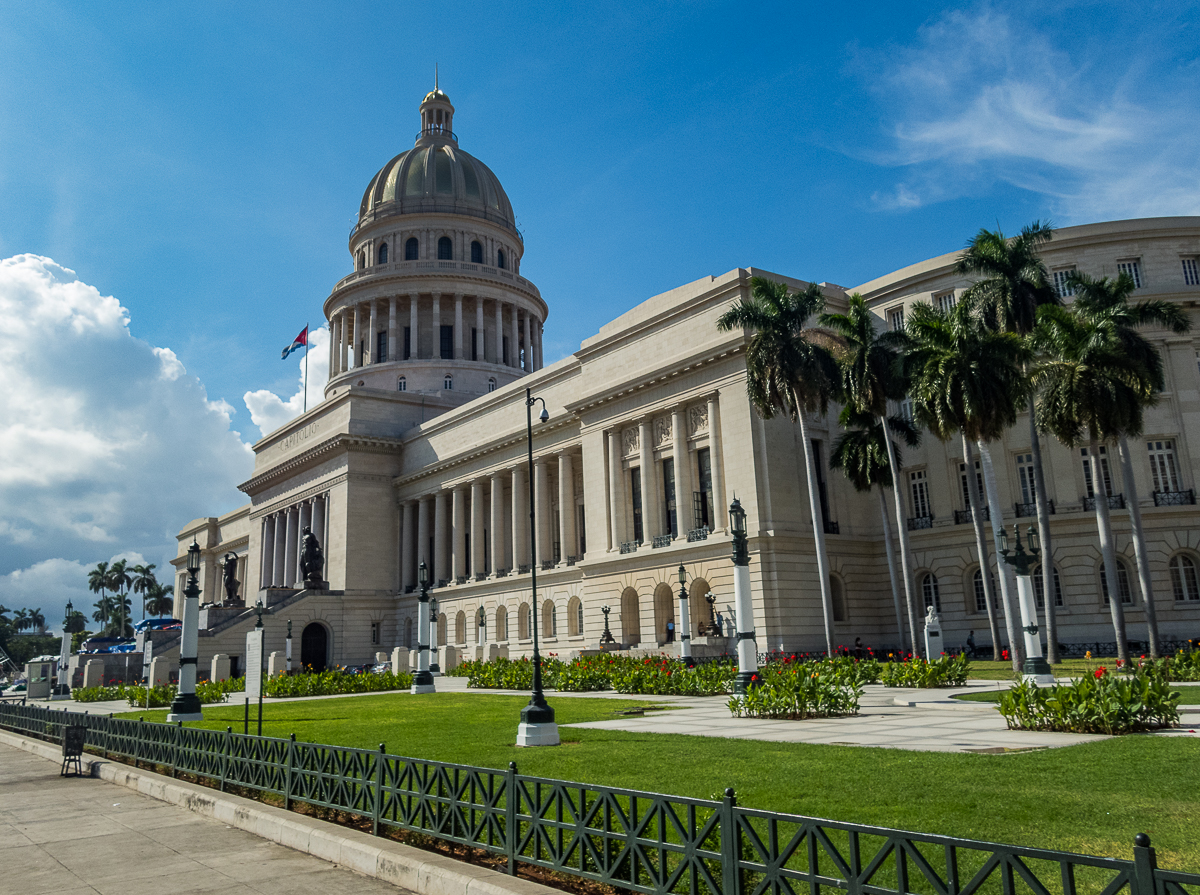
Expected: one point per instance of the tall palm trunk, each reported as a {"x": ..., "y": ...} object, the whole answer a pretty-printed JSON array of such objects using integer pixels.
[
  {"x": 814, "y": 503},
  {"x": 891, "y": 562},
  {"x": 1104, "y": 524},
  {"x": 906, "y": 567},
  {"x": 1008, "y": 583},
  {"x": 1043, "y": 518},
  {"x": 1139, "y": 545},
  {"x": 985, "y": 566}
]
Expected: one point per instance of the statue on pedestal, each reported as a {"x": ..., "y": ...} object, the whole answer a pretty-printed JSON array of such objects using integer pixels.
[
  {"x": 229, "y": 568},
  {"x": 312, "y": 560}
]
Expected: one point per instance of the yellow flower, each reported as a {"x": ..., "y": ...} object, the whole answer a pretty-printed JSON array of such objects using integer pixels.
[{"x": 1088, "y": 654}]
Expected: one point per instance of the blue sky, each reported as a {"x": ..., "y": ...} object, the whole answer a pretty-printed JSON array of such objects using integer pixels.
[{"x": 201, "y": 164}]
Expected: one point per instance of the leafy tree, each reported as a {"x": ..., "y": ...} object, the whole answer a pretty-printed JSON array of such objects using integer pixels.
[
  {"x": 160, "y": 600},
  {"x": 143, "y": 581},
  {"x": 789, "y": 368}
]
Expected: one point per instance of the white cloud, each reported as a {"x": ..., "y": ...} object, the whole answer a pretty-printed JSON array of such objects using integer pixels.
[
  {"x": 268, "y": 411},
  {"x": 981, "y": 98},
  {"x": 108, "y": 445}
]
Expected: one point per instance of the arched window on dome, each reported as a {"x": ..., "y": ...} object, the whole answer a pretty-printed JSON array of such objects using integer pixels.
[
  {"x": 476, "y": 252},
  {"x": 412, "y": 249},
  {"x": 445, "y": 249},
  {"x": 402, "y": 384},
  {"x": 448, "y": 382},
  {"x": 492, "y": 384},
  {"x": 500, "y": 258},
  {"x": 361, "y": 260},
  {"x": 383, "y": 253}
]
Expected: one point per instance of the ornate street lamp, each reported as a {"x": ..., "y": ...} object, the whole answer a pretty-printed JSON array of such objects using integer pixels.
[
  {"x": 423, "y": 679},
  {"x": 607, "y": 637},
  {"x": 1036, "y": 668},
  {"x": 747, "y": 647},
  {"x": 434, "y": 668},
  {"x": 186, "y": 706},
  {"x": 537, "y": 727},
  {"x": 288, "y": 647},
  {"x": 685, "y": 625},
  {"x": 62, "y": 690},
  {"x": 482, "y": 616}
]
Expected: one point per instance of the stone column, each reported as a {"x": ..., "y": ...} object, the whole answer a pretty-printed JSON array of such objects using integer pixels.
[
  {"x": 528, "y": 366},
  {"x": 683, "y": 472},
  {"x": 514, "y": 341},
  {"x": 335, "y": 333},
  {"x": 480, "y": 347},
  {"x": 355, "y": 338},
  {"x": 267, "y": 553},
  {"x": 499, "y": 332},
  {"x": 392, "y": 329},
  {"x": 717, "y": 462},
  {"x": 460, "y": 532},
  {"x": 499, "y": 559},
  {"x": 305, "y": 520},
  {"x": 541, "y": 362},
  {"x": 477, "y": 526},
  {"x": 292, "y": 549},
  {"x": 566, "y": 506},
  {"x": 541, "y": 493},
  {"x": 279, "y": 548},
  {"x": 423, "y": 529},
  {"x": 458, "y": 326},
  {"x": 408, "y": 547},
  {"x": 520, "y": 517},
  {"x": 414, "y": 329},
  {"x": 372, "y": 336},
  {"x": 651, "y": 514},
  {"x": 616, "y": 492},
  {"x": 320, "y": 512},
  {"x": 441, "y": 538},
  {"x": 437, "y": 325}
]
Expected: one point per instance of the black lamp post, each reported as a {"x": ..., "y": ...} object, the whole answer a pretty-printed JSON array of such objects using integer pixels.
[
  {"x": 685, "y": 622},
  {"x": 423, "y": 679},
  {"x": 434, "y": 667},
  {"x": 747, "y": 647},
  {"x": 186, "y": 705},
  {"x": 537, "y": 727},
  {"x": 1036, "y": 667},
  {"x": 482, "y": 616}
]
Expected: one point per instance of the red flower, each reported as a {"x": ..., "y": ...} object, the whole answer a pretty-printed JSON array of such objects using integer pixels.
[
  {"x": 1099, "y": 672},
  {"x": 1004, "y": 653}
]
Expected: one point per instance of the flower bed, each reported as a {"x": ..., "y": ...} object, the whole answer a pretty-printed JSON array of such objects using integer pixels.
[
  {"x": 326, "y": 683},
  {"x": 946, "y": 671},
  {"x": 1102, "y": 702},
  {"x": 160, "y": 696},
  {"x": 800, "y": 690}
]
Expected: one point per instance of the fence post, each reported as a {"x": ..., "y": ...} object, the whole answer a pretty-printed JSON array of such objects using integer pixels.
[
  {"x": 377, "y": 800},
  {"x": 731, "y": 842},
  {"x": 225, "y": 756},
  {"x": 287, "y": 780},
  {"x": 512, "y": 802},
  {"x": 1145, "y": 866}
]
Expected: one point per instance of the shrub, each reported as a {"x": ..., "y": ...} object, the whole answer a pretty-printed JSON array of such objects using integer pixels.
[
  {"x": 946, "y": 671},
  {"x": 1101, "y": 702},
  {"x": 326, "y": 683},
  {"x": 664, "y": 676},
  {"x": 160, "y": 696},
  {"x": 796, "y": 691}
]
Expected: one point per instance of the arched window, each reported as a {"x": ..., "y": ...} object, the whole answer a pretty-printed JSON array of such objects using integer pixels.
[
  {"x": 981, "y": 593},
  {"x": 412, "y": 249},
  {"x": 448, "y": 382},
  {"x": 401, "y": 384},
  {"x": 460, "y": 627},
  {"x": 500, "y": 258},
  {"x": 631, "y": 621},
  {"x": 502, "y": 624},
  {"x": 383, "y": 253},
  {"x": 837, "y": 596},
  {"x": 491, "y": 385},
  {"x": 476, "y": 252},
  {"x": 1122, "y": 583},
  {"x": 929, "y": 591},
  {"x": 523, "y": 627},
  {"x": 362, "y": 260},
  {"x": 1183, "y": 578},
  {"x": 575, "y": 617},
  {"x": 445, "y": 249},
  {"x": 1039, "y": 588},
  {"x": 549, "y": 620}
]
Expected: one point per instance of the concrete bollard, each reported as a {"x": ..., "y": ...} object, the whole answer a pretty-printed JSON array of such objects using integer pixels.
[
  {"x": 447, "y": 658},
  {"x": 220, "y": 667},
  {"x": 276, "y": 663},
  {"x": 400, "y": 659}
]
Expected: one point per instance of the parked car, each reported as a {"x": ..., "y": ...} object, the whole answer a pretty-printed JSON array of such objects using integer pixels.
[
  {"x": 125, "y": 646},
  {"x": 381, "y": 667},
  {"x": 157, "y": 624}
]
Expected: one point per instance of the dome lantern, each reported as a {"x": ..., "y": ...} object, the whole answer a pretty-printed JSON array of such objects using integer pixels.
[{"x": 437, "y": 116}]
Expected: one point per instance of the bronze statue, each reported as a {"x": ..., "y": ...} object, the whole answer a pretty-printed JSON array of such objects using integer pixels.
[
  {"x": 312, "y": 561},
  {"x": 231, "y": 582}
]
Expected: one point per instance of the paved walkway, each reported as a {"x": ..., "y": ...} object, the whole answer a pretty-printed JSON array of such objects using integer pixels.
[{"x": 76, "y": 835}]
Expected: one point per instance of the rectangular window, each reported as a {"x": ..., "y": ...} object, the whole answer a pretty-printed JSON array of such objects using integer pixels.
[
  {"x": 703, "y": 499},
  {"x": 635, "y": 476},
  {"x": 474, "y": 343},
  {"x": 1087, "y": 472},
  {"x": 945, "y": 301},
  {"x": 668, "y": 469},
  {"x": 407, "y": 343},
  {"x": 962, "y": 478},
  {"x": 906, "y": 408},
  {"x": 375, "y": 633},
  {"x": 582, "y": 531},
  {"x": 1191, "y": 272},
  {"x": 821, "y": 487},
  {"x": 1061, "y": 282},
  {"x": 919, "y": 485},
  {"x": 381, "y": 340},
  {"x": 1162, "y": 465},
  {"x": 896, "y": 319},
  {"x": 1134, "y": 269},
  {"x": 1025, "y": 478},
  {"x": 446, "y": 348}
]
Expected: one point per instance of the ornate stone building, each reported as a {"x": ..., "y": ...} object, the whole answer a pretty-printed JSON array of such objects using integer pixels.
[{"x": 418, "y": 454}]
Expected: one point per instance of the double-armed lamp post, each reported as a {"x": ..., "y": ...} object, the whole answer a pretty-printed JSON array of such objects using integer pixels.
[
  {"x": 1036, "y": 668},
  {"x": 685, "y": 622},
  {"x": 747, "y": 647},
  {"x": 423, "y": 679},
  {"x": 186, "y": 705}
]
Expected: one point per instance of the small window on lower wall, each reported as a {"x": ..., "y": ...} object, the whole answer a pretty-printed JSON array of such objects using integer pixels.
[
  {"x": 402, "y": 384},
  {"x": 491, "y": 385},
  {"x": 375, "y": 633},
  {"x": 448, "y": 383}
]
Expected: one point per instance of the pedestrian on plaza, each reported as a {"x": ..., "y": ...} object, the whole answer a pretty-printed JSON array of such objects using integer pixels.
[
  {"x": 858, "y": 648},
  {"x": 670, "y": 630},
  {"x": 971, "y": 644},
  {"x": 720, "y": 625}
]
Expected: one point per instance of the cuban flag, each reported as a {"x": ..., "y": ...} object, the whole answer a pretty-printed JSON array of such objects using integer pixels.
[{"x": 300, "y": 342}]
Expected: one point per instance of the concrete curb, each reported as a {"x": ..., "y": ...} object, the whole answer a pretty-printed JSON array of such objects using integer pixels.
[{"x": 401, "y": 865}]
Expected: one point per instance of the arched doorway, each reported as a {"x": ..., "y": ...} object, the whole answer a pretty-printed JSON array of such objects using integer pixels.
[
  {"x": 314, "y": 647},
  {"x": 631, "y": 618},
  {"x": 664, "y": 611},
  {"x": 698, "y": 611}
]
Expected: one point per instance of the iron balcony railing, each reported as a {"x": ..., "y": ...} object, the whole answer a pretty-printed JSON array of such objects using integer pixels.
[
  {"x": 698, "y": 534},
  {"x": 1030, "y": 509},
  {"x": 630, "y": 546},
  {"x": 460, "y": 579},
  {"x": 1174, "y": 498},
  {"x": 523, "y": 568},
  {"x": 571, "y": 560},
  {"x": 636, "y": 841},
  {"x": 916, "y": 523},
  {"x": 963, "y": 517},
  {"x": 548, "y": 564},
  {"x": 1115, "y": 502},
  {"x": 660, "y": 541},
  {"x": 832, "y": 528}
]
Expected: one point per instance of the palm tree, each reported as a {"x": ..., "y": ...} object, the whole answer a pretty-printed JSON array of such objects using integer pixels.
[
  {"x": 861, "y": 454},
  {"x": 21, "y": 619},
  {"x": 1014, "y": 284},
  {"x": 790, "y": 368},
  {"x": 1104, "y": 305},
  {"x": 159, "y": 599},
  {"x": 119, "y": 580},
  {"x": 37, "y": 620},
  {"x": 967, "y": 378},
  {"x": 104, "y": 611},
  {"x": 143, "y": 581},
  {"x": 98, "y": 584},
  {"x": 871, "y": 376}
]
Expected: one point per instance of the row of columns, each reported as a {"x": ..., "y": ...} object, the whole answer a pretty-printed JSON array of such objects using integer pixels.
[
  {"x": 280, "y": 540},
  {"x": 361, "y": 325},
  {"x": 427, "y": 239},
  {"x": 655, "y": 521},
  {"x": 434, "y": 529}
]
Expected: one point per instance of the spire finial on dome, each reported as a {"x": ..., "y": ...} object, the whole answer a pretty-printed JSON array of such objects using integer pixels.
[{"x": 435, "y": 76}]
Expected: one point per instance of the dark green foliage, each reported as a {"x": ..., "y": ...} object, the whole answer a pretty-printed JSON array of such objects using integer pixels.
[
  {"x": 1102, "y": 702},
  {"x": 945, "y": 671}
]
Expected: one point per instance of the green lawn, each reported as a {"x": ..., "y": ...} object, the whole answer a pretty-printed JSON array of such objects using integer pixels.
[
  {"x": 1092, "y": 798},
  {"x": 1003, "y": 671},
  {"x": 1187, "y": 696}
]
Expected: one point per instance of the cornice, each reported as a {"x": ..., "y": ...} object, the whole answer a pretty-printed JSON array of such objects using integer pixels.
[{"x": 342, "y": 441}]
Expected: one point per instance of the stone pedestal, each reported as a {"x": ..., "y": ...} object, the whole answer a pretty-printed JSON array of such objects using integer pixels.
[
  {"x": 413, "y": 659},
  {"x": 161, "y": 669},
  {"x": 934, "y": 645},
  {"x": 220, "y": 669},
  {"x": 382, "y": 657},
  {"x": 496, "y": 651},
  {"x": 276, "y": 663},
  {"x": 447, "y": 658},
  {"x": 400, "y": 660},
  {"x": 537, "y": 734},
  {"x": 93, "y": 673}
]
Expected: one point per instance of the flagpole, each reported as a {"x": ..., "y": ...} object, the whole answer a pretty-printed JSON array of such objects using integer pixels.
[{"x": 306, "y": 339}]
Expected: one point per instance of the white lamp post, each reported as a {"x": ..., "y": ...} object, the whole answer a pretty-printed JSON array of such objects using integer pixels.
[
  {"x": 747, "y": 647},
  {"x": 685, "y": 623},
  {"x": 423, "y": 679},
  {"x": 1036, "y": 668},
  {"x": 186, "y": 706}
]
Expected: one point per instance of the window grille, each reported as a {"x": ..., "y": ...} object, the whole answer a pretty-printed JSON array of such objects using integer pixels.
[
  {"x": 920, "y": 492},
  {"x": 1087, "y": 472},
  {"x": 1062, "y": 282},
  {"x": 1134, "y": 269},
  {"x": 1183, "y": 578},
  {"x": 896, "y": 319},
  {"x": 945, "y": 301},
  {"x": 1162, "y": 465}
]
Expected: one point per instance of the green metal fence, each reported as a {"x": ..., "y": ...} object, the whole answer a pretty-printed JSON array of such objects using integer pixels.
[{"x": 643, "y": 842}]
